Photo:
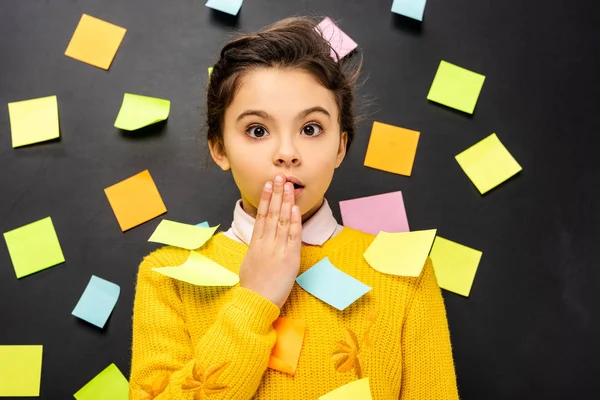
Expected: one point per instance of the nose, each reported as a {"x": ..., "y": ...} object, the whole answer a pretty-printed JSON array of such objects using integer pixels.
[{"x": 287, "y": 153}]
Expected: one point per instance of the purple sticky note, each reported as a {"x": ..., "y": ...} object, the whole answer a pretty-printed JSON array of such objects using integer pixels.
[
  {"x": 339, "y": 41},
  {"x": 382, "y": 212}
]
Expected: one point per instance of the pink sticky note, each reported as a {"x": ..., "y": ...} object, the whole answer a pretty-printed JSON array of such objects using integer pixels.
[
  {"x": 382, "y": 212},
  {"x": 339, "y": 41}
]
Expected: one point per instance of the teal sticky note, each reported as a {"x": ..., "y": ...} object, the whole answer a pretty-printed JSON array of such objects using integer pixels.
[
  {"x": 329, "y": 284},
  {"x": 203, "y": 224},
  {"x": 409, "y": 8},
  {"x": 97, "y": 301},
  {"x": 227, "y": 6}
]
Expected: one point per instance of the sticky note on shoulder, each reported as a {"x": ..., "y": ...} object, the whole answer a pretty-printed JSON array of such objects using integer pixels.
[
  {"x": 392, "y": 149},
  {"x": 455, "y": 265},
  {"x": 456, "y": 87},
  {"x": 97, "y": 301},
  {"x": 140, "y": 111},
  {"x": 108, "y": 384},
  {"x": 33, "y": 121},
  {"x": 340, "y": 43},
  {"x": 200, "y": 270},
  {"x": 410, "y": 8},
  {"x": 177, "y": 234},
  {"x": 355, "y": 390},
  {"x": 20, "y": 370},
  {"x": 231, "y": 7}
]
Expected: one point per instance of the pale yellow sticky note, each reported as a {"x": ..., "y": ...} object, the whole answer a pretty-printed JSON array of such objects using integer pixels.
[
  {"x": 400, "y": 253},
  {"x": 186, "y": 236},
  {"x": 455, "y": 265},
  {"x": 20, "y": 371},
  {"x": 33, "y": 121},
  {"x": 140, "y": 111},
  {"x": 456, "y": 87},
  {"x": 488, "y": 163},
  {"x": 355, "y": 390},
  {"x": 202, "y": 271},
  {"x": 210, "y": 70}
]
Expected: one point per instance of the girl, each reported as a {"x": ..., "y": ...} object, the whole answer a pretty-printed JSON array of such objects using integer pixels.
[{"x": 280, "y": 118}]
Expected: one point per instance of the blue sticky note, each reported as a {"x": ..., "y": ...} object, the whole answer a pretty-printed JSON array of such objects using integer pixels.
[
  {"x": 409, "y": 8},
  {"x": 203, "y": 224},
  {"x": 331, "y": 285},
  {"x": 227, "y": 6},
  {"x": 97, "y": 301}
]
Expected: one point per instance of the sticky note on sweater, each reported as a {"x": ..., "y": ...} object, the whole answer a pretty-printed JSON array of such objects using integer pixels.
[
  {"x": 355, "y": 390},
  {"x": 286, "y": 352},
  {"x": 201, "y": 271}
]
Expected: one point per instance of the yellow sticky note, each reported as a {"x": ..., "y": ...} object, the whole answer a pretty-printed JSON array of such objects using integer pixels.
[
  {"x": 286, "y": 352},
  {"x": 455, "y": 265},
  {"x": 108, "y": 384},
  {"x": 95, "y": 41},
  {"x": 139, "y": 111},
  {"x": 400, "y": 253},
  {"x": 210, "y": 69},
  {"x": 20, "y": 371},
  {"x": 181, "y": 235},
  {"x": 355, "y": 390},
  {"x": 488, "y": 163},
  {"x": 456, "y": 87},
  {"x": 392, "y": 149},
  {"x": 201, "y": 271},
  {"x": 33, "y": 121}
]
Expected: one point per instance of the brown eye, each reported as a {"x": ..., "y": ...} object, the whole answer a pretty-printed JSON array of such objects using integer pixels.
[
  {"x": 256, "y": 132},
  {"x": 312, "y": 130}
]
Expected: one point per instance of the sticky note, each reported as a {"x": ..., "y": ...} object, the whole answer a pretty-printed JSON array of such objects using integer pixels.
[
  {"x": 33, "y": 121},
  {"x": 286, "y": 352},
  {"x": 34, "y": 247},
  {"x": 372, "y": 214},
  {"x": 456, "y": 87},
  {"x": 227, "y": 6},
  {"x": 201, "y": 271},
  {"x": 181, "y": 235},
  {"x": 488, "y": 163},
  {"x": 332, "y": 285},
  {"x": 139, "y": 111},
  {"x": 135, "y": 200},
  {"x": 409, "y": 8},
  {"x": 20, "y": 371},
  {"x": 402, "y": 253},
  {"x": 338, "y": 40},
  {"x": 203, "y": 224},
  {"x": 210, "y": 69},
  {"x": 392, "y": 149},
  {"x": 455, "y": 265},
  {"x": 355, "y": 390},
  {"x": 97, "y": 301},
  {"x": 108, "y": 384},
  {"x": 95, "y": 42}
]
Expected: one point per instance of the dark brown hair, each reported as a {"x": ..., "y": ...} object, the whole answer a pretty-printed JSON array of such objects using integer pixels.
[{"x": 291, "y": 43}]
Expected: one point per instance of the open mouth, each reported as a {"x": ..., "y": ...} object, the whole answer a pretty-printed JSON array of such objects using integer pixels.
[{"x": 298, "y": 186}]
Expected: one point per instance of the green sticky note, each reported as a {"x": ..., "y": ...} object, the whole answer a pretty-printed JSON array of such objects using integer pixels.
[
  {"x": 455, "y": 265},
  {"x": 186, "y": 236},
  {"x": 488, "y": 163},
  {"x": 210, "y": 69},
  {"x": 139, "y": 111},
  {"x": 34, "y": 247},
  {"x": 456, "y": 87},
  {"x": 108, "y": 384},
  {"x": 33, "y": 121},
  {"x": 20, "y": 371},
  {"x": 201, "y": 271}
]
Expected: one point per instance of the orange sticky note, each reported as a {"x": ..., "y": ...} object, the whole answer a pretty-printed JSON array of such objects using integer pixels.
[
  {"x": 286, "y": 352},
  {"x": 95, "y": 41},
  {"x": 135, "y": 200},
  {"x": 392, "y": 148}
]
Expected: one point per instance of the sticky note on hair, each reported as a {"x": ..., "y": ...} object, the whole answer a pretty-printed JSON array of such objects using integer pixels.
[
  {"x": 409, "y": 8},
  {"x": 135, "y": 200},
  {"x": 340, "y": 43},
  {"x": 456, "y": 87},
  {"x": 108, "y": 384},
  {"x": 95, "y": 42},
  {"x": 392, "y": 149},
  {"x": 33, "y": 121},
  {"x": 488, "y": 163},
  {"x": 227, "y": 6},
  {"x": 139, "y": 111},
  {"x": 355, "y": 390},
  {"x": 402, "y": 253},
  {"x": 286, "y": 352},
  {"x": 201, "y": 271},
  {"x": 97, "y": 301},
  {"x": 20, "y": 370},
  {"x": 454, "y": 265},
  {"x": 186, "y": 236},
  {"x": 372, "y": 214},
  {"x": 210, "y": 69},
  {"x": 332, "y": 285}
]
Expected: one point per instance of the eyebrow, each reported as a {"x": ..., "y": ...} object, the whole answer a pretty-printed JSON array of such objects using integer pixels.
[{"x": 265, "y": 115}]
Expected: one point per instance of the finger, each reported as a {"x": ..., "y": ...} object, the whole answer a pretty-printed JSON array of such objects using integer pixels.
[
  {"x": 283, "y": 226},
  {"x": 274, "y": 209},
  {"x": 295, "y": 231},
  {"x": 261, "y": 212}
]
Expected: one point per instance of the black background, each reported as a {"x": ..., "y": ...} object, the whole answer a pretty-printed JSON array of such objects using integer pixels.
[{"x": 529, "y": 329}]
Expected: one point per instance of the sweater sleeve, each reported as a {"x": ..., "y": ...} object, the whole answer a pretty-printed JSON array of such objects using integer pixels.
[
  {"x": 228, "y": 362},
  {"x": 428, "y": 367}
]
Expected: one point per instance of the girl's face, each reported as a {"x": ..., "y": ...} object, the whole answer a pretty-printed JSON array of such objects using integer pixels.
[{"x": 281, "y": 122}]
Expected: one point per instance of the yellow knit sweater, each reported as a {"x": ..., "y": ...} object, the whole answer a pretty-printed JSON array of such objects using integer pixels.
[{"x": 215, "y": 342}]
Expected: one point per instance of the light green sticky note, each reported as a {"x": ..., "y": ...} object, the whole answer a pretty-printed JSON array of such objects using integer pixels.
[
  {"x": 33, "y": 121},
  {"x": 34, "y": 247},
  {"x": 488, "y": 163},
  {"x": 108, "y": 384},
  {"x": 20, "y": 371},
  {"x": 400, "y": 253},
  {"x": 186, "y": 236},
  {"x": 210, "y": 69},
  {"x": 201, "y": 271},
  {"x": 139, "y": 111},
  {"x": 456, "y": 87},
  {"x": 455, "y": 265},
  {"x": 355, "y": 390}
]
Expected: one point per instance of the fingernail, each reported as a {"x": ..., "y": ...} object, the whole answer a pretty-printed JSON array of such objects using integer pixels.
[
  {"x": 279, "y": 179},
  {"x": 268, "y": 186},
  {"x": 286, "y": 188}
]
